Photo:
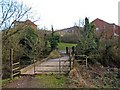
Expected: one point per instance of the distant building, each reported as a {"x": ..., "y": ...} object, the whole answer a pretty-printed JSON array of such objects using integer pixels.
[
  {"x": 27, "y": 23},
  {"x": 109, "y": 29},
  {"x": 102, "y": 26},
  {"x": 71, "y": 30}
]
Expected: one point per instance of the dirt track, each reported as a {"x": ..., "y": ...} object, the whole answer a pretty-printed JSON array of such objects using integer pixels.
[{"x": 24, "y": 82}]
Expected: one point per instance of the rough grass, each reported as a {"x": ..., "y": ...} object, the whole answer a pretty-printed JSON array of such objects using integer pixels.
[
  {"x": 94, "y": 76},
  {"x": 52, "y": 81},
  {"x": 54, "y": 54},
  {"x": 39, "y": 81},
  {"x": 4, "y": 82},
  {"x": 62, "y": 46}
]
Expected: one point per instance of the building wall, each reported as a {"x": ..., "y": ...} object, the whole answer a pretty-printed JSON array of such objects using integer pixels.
[
  {"x": 71, "y": 30},
  {"x": 108, "y": 29}
]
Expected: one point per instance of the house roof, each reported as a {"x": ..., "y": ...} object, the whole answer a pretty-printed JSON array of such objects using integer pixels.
[
  {"x": 105, "y": 25},
  {"x": 74, "y": 27},
  {"x": 28, "y": 22}
]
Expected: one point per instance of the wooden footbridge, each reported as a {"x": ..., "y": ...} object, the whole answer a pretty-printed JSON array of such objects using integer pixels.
[{"x": 61, "y": 65}]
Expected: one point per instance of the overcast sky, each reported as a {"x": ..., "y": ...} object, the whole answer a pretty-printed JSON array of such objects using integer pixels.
[{"x": 64, "y": 13}]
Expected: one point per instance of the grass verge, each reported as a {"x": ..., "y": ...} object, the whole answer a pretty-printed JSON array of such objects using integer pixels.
[
  {"x": 52, "y": 81},
  {"x": 6, "y": 81},
  {"x": 62, "y": 46}
]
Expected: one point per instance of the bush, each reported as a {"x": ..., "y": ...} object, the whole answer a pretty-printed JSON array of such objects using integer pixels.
[
  {"x": 6, "y": 71},
  {"x": 110, "y": 54},
  {"x": 26, "y": 44},
  {"x": 102, "y": 49}
]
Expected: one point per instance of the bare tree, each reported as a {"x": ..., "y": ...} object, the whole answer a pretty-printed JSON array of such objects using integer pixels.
[
  {"x": 81, "y": 22},
  {"x": 10, "y": 12}
]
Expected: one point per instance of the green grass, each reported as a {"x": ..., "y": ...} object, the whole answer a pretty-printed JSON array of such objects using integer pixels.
[
  {"x": 6, "y": 81},
  {"x": 52, "y": 81},
  {"x": 62, "y": 46}
]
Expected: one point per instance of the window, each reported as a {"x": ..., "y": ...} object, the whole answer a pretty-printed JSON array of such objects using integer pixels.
[
  {"x": 69, "y": 31},
  {"x": 97, "y": 29}
]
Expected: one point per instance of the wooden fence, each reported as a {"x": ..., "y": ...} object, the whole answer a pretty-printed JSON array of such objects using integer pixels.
[
  {"x": 82, "y": 61},
  {"x": 15, "y": 67}
]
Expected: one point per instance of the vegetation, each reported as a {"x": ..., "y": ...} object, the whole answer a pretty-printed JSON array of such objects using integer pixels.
[
  {"x": 87, "y": 42},
  {"x": 52, "y": 81},
  {"x": 94, "y": 76},
  {"x": 11, "y": 11},
  {"x": 69, "y": 38},
  {"x": 23, "y": 39},
  {"x": 8, "y": 80},
  {"x": 53, "y": 40},
  {"x": 26, "y": 45},
  {"x": 54, "y": 54},
  {"x": 109, "y": 53},
  {"x": 101, "y": 48}
]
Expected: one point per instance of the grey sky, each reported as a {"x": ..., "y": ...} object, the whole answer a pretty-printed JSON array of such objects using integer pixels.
[{"x": 64, "y": 13}]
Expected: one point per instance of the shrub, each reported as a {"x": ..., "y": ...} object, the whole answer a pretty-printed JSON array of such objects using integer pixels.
[
  {"x": 54, "y": 39},
  {"x": 110, "y": 54},
  {"x": 26, "y": 45},
  {"x": 102, "y": 49},
  {"x": 87, "y": 44},
  {"x": 6, "y": 71}
]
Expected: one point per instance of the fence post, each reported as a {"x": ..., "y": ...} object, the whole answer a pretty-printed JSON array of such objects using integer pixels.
[
  {"x": 11, "y": 62},
  {"x": 19, "y": 68},
  {"x": 66, "y": 50},
  {"x": 34, "y": 64},
  {"x": 73, "y": 60},
  {"x": 86, "y": 61},
  {"x": 70, "y": 57},
  {"x": 59, "y": 66},
  {"x": 73, "y": 50}
]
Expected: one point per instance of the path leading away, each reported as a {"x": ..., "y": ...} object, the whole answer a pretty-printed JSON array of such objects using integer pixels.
[
  {"x": 49, "y": 66},
  {"x": 28, "y": 80}
]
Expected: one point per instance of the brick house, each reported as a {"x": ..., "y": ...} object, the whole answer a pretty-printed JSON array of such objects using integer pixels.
[
  {"x": 27, "y": 23},
  {"x": 108, "y": 29},
  {"x": 101, "y": 26}
]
